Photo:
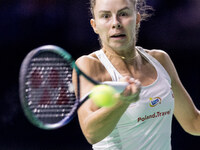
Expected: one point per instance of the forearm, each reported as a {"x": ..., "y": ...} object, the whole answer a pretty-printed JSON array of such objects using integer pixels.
[
  {"x": 185, "y": 110},
  {"x": 196, "y": 124},
  {"x": 101, "y": 122}
]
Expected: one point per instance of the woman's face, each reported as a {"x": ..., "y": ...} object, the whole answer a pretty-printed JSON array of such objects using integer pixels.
[{"x": 115, "y": 22}]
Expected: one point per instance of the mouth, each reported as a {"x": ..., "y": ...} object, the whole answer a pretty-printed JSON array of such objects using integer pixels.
[{"x": 118, "y": 36}]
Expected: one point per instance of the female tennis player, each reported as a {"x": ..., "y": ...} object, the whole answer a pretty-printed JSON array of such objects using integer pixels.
[{"x": 142, "y": 122}]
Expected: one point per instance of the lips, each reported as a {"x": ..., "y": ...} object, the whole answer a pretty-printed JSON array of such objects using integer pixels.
[{"x": 118, "y": 36}]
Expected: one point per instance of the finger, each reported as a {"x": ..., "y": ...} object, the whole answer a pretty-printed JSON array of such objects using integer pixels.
[
  {"x": 127, "y": 91},
  {"x": 137, "y": 83},
  {"x": 130, "y": 98},
  {"x": 131, "y": 80}
]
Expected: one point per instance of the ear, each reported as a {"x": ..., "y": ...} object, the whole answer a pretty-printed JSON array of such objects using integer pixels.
[
  {"x": 138, "y": 18},
  {"x": 93, "y": 24}
]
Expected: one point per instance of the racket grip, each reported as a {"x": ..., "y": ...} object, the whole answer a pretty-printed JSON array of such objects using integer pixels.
[{"x": 119, "y": 86}]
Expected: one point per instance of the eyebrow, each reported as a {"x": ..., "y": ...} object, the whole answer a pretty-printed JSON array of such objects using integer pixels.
[
  {"x": 107, "y": 11},
  {"x": 124, "y": 9}
]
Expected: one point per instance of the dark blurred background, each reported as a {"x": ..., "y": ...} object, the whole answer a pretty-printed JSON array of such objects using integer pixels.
[{"x": 27, "y": 24}]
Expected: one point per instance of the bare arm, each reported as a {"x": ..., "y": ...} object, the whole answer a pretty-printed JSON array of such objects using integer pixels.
[
  {"x": 97, "y": 123},
  {"x": 185, "y": 111}
]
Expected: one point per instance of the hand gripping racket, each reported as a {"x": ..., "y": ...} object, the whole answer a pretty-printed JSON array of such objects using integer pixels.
[{"x": 46, "y": 91}]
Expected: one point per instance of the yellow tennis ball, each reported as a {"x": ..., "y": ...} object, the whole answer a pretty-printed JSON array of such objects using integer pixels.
[{"x": 103, "y": 95}]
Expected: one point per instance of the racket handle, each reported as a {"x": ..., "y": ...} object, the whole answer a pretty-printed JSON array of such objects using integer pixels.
[{"x": 119, "y": 86}]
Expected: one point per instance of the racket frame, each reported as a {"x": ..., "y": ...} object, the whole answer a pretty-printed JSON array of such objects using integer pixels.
[
  {"x": 64, "y": 54},
  {"x": 23, "y": 70}
]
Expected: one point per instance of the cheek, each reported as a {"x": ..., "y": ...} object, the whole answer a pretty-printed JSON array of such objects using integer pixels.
[
  {"x": 131, "y": 26},
  {"x": 102, "y": 29}
]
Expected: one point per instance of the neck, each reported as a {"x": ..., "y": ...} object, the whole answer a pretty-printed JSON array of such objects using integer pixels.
[{"x": 127, "y": 56}]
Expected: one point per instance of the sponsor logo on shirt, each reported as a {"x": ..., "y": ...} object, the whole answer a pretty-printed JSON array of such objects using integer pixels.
[
  {"x": 154, "y": 101},
  {"x": 157, "y": 114}
]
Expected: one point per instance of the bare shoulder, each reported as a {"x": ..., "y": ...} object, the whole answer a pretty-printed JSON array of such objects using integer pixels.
[
  {"x": 165, "y": 61},
  {"x": 160, "y": 55},
  {"x": 90, "y": 65},
  {"x": 86, "y": 61}
]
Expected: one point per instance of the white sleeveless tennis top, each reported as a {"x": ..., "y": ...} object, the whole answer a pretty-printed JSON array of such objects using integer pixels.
[{"x": 146, "y": 124}]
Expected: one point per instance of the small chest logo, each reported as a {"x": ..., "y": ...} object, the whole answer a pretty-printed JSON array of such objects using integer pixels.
[{"x": 154, "y": 101}]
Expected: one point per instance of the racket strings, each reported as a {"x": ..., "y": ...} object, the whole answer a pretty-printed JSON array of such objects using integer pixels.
[{"x": 49, "y": 88}]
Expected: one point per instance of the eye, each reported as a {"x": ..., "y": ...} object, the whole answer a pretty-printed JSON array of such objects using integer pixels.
[
  {"x": 123, "y": 14},
  {"x": 105, "y": 16}
]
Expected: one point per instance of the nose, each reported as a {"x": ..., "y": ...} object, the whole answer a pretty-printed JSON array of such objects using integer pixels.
[{"x": 116, "y": 23}]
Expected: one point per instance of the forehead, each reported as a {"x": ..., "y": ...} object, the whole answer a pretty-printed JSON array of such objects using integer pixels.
[{"x": 113, "y": 4}]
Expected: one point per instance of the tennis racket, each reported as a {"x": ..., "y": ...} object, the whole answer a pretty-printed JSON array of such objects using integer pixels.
[{"x": 46, "y": 91}]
